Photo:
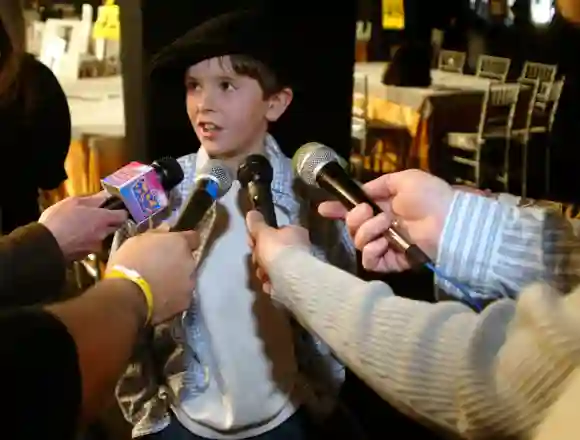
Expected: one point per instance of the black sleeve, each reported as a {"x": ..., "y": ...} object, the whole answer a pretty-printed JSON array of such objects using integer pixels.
[
  {"x": 41, "y": 377},
  {"x": 50, "y": 124},
  {"x": 32, "y": 267}
]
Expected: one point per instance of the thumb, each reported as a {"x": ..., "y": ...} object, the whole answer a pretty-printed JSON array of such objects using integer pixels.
[
  {"x": 95, "y": 200},
  {"x": 332, "y": 210},
  {"x": 255, "y": 223},
  {"x": 113, "y": 217},
  {"x": 192, "y": 239},
  {"x": 163, "y": 227},
  {"x": 383, "y": 187}
]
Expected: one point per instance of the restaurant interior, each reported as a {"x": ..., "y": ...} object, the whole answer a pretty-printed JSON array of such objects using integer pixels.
[{"x": 483, "y": 93}]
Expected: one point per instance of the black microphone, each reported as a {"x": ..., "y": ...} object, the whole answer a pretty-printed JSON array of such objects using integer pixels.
[
  {"x": 169, "y": 173},
  {"x": 212, "y": 182},
  {"x": 255, "y": 175},
  {"x": 318, "y": 165}
]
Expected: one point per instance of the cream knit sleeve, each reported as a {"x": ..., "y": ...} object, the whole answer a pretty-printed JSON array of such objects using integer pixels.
[{"x": 482, "y": 376}]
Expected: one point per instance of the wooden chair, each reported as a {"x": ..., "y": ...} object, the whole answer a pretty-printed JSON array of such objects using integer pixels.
[
  {"x": 493, "y": 67},
  {"x": 451, "y": 61},
  {"x": 496, "y": 121}
]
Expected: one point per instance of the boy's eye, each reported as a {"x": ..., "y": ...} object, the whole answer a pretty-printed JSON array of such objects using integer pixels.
[
  {"x": 191, "y": 85},
  {"x": 226, "y": 86}
]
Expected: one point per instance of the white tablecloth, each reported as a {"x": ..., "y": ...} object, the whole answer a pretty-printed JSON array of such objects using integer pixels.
[
  {"x": 443, "y": 84},
  {"x": 460, "y": 81},
  {"x": 96, "y": 106},
  {"x": 416, "y": 98}
]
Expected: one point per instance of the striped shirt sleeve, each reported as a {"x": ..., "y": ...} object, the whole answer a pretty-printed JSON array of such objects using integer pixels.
[{"x": 497, "y": 249}]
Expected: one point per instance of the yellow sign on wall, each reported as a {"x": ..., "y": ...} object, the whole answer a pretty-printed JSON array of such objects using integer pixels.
[
  {"x": 107, "y": 26},
  {"x": 393, "y": 14}
]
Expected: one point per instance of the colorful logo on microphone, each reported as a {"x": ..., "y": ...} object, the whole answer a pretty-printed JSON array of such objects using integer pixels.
[{"x": 147, "y": 197}]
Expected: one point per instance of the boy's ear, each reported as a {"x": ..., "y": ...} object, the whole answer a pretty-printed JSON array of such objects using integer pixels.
[{"x": 278, "y": 103}]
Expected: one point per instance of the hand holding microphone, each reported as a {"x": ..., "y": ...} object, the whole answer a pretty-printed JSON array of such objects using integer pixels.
[
  {"x": 267, "y": 242},
  {"x": 164, "y": 260},
  {"x": 388, "y": 217},
  {"x": 79, "y": 225}
]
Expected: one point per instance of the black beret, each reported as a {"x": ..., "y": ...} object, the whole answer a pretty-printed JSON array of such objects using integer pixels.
[{"x": 252, "y": 33}]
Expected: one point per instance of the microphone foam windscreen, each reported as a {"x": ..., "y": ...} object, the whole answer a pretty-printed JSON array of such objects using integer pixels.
[
  {"x": 310, "y": 158},
  {"x": 215, "y": 170},
  {"x": 170, "y": 170}
]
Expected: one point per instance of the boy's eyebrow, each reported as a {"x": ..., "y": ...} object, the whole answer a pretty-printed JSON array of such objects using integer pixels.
[
  {"x": 228, "y": 77},
  {"x": 223, "y": 77}
]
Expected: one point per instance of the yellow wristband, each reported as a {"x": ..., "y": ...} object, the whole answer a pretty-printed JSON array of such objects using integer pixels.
[{"x": 132, "y": 275}]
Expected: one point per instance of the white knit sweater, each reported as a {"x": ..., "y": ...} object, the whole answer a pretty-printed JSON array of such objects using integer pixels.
[{"x": 482, "y": 376}]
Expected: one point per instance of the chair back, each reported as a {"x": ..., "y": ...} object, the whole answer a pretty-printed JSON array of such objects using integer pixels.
[
  {"x": 451, "y": 61},
  {"x": 498, "y": 110},
  {"x": 493, "y": 67}
]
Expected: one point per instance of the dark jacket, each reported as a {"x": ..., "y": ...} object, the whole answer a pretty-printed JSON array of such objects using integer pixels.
[{"x": 32, "y": 267}]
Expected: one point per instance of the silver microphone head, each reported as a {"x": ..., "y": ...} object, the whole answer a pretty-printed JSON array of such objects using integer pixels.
[
  {"x": 215, "y": 170},
  {"x": 310, "y": 157}
]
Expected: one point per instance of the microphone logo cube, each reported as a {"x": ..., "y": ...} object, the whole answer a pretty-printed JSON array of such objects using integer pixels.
[{"x": 139, "y": 187}]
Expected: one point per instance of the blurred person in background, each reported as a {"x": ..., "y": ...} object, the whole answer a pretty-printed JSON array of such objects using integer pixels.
[
  {"x": 410, "y": 67},
  {"x": 35, "y": 124}
]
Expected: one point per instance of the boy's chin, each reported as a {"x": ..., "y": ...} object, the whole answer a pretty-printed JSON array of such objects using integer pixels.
[
  {"x": 219, "y": 151},
  {"x": 224, "y": 152}
]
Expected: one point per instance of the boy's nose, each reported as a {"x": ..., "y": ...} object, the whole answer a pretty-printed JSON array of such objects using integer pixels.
[{"x": 206, "y": 102}]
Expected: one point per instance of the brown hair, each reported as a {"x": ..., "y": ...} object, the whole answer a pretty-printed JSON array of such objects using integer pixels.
[
  {"x": 248, "y": 66},
  {"x": 12, "y": 45}
]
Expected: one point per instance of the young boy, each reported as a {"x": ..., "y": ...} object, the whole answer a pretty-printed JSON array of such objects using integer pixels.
[{"x": 235, "y": 366}]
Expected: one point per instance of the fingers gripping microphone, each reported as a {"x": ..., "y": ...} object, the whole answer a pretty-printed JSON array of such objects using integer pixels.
[
  {"x": 142, "y": 189},
  {"x": 255, "y": 175},
  {"x": 318, "y": 165},
  {"x": 212, "y": 182}
]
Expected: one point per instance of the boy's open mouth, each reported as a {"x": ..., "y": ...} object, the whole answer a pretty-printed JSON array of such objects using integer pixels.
[{"x": 209, "y": 127}]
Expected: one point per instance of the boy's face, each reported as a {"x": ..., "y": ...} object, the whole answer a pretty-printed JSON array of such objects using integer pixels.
[{"x": 228, "y": 111}]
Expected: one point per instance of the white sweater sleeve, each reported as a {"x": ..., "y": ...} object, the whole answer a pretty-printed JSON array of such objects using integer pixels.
[{"x": 482, "y": 376}]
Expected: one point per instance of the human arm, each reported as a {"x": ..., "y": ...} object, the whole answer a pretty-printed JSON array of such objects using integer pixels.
[
  {"x": 104, "y": 324},
  {"x": 440, "y": 363},
  {"x": 497, "y": 249},
  {"x": 65, "y": 355},
  {"x": 492, "y": 247},
  {"x": 32, "y": 266},
  {"x": 33, "y": 258},
  {"x": 96, "y": 331}
]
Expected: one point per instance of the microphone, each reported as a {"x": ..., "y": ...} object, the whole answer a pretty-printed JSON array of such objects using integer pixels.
[
  {"x": 142, "y": 189},
  {"x": 212, "y": 182},
  {"x": 319, "y": 165},
  {"x": 255, "y": 175}
]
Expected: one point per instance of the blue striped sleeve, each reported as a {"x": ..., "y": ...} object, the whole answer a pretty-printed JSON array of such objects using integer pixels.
[{"x": 497, "y": 249}]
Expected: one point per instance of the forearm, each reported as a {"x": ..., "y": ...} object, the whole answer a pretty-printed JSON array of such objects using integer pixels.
[
  {"x": 32, "y": 267},
  {"x": 104, "y": 322},
  {"x": 441, "y": 363},
  {"x": 391, "y": 343},
  {"x": 497, "y": 249}
]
